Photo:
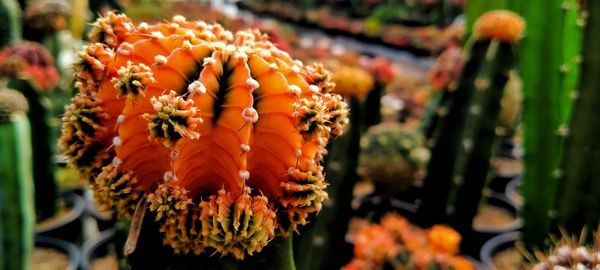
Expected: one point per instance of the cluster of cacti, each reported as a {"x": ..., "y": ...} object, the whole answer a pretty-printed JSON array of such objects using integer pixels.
[
  {"x": 549, "y": 64},
  {"x": 462, "y": 143},
  {"x": 10, "y": 22},
  {"x": 397, "y": 244},
  {"x": 221, "y": 133},
  {"x": 576, "y": 200},
  {"x": 29, "y": 68},
  {"x": 392, "y": 156},
  {"x": 569, "y": 253},
  {"x": 17, "y": 217}
]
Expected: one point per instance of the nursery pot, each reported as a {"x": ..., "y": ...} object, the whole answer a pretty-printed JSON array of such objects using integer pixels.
[
  {"x": 496, "y": 244},
  {"x": 62, "y": 246},
  {"x": 473, "y": 240},
  {"x": 97, "y": 248},
  {"x": 374, "y": 207},
  {"x": 512, "y": 191},
  {"x": 67, "y": 227}
]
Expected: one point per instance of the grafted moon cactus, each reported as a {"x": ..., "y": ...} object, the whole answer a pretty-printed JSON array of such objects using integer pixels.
[{"x": 221, "y": 133}]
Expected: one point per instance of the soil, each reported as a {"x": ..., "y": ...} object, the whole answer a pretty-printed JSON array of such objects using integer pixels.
[
  {"x": 509, "y": 259},
  {"x": 507, "y": 166},
  {"x": 108, "y": 262},
  {"x": 492, "y": 217},
  {"x": 48, "y": 259}
]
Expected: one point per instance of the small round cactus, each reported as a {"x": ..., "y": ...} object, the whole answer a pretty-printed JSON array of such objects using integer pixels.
[
  {"x": 29, "y": 60},
  {"x": 502, "y": 25},
  {"x": 221, "y": 133},
  {"x": 11, "y": 102},
  {"x": 352, "y": 81},
  {"x": 392, "y": 156},
  {"x": 569, "y": 253}
]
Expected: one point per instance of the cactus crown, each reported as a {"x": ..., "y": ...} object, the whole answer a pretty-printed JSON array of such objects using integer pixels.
[
  {"x": 570, "y": 253},
  {"x": 222, "y": 133},
  {"x": 502, "y": 25},
  {"x": 11, "y": 102}
]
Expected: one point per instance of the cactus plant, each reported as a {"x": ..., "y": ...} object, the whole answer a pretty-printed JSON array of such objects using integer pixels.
[
  {"x": 221, "y": 134},
  {"x": 569, "y": 253},
  {"x": 397, "y": 244},
  {"x": 10, "y": 12},
  {"x": 30, "y": 69},
  {"x": 17, "y": 217},
  {"x": 549, "y": 60},
  {"x": 392, "y": 156},
  {"x": 463, "y": 142},
  {"x": 575, "y": 208}
]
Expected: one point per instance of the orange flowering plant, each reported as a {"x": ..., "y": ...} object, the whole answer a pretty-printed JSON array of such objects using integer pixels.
[
  {"x": 221, "y": 135},
  {"x": 400, "y": 245}
]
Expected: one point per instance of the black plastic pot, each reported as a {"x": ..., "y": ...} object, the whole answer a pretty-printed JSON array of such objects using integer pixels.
[
  {"x": 60, "y": 245},
  {"x": 495, "y": 245},
  {"x": 512, "y": 191},
  {"x": 96, "y": 248},
  {"x": 69, "y": 227},
  {"x": 499, "y": 183},
  {"x": 474, "y": 240},
  {"x": 374, "y": 207},
  {"x": 501, "y": 201}
]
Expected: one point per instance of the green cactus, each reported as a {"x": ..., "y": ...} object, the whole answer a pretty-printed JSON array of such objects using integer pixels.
[
  {"x": 575, "y": 208},
  {"x": 17, "y": 218},
  {"x": 10, "y": 26},
  {"x": 549, "y": 59},
  {"x": 392, "y": 156},
  {"x": 463, "y": 141}
]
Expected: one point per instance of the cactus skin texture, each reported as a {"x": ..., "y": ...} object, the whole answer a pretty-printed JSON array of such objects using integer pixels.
[
  {"x": 464, "y": 140},
  {"x": 221, "y": 133},
  {"x": 575, "y": 208},
  {"x": 549, "y": 61},
  {"x": 17, "y": 218},
  {"x": 10, "y": 27}
]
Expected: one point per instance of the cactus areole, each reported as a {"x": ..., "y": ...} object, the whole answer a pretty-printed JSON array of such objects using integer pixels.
[{"x": 221, "y": 133}]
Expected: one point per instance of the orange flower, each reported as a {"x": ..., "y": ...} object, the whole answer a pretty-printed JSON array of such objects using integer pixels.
[
  {"x": 444, "y": 239},
  {"x": 222, "y": 133},
  {"x": 502, "y": 25}
]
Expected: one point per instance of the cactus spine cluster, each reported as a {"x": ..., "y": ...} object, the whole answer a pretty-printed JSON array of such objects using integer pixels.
[
  {"x": 221, "y": 133},
  {"x": 10, "y": 24},
  {"x": 570, "y": 253},
  {"x": 463, "y": 141},
  {"x": 17, "y": 217}
]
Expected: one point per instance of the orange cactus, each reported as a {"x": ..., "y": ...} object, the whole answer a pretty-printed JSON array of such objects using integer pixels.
[
  {"x": 221, "y": 133},
  {"x": 502, "y": 25}
]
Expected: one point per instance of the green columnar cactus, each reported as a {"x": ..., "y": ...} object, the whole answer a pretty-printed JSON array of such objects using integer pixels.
[
  {"x": 582, "y": 149},
  {"x": 29, "y": 69},
  {"x": 10, "y": 25},
  {"x": 463, "y": 142},
  {"x": 549, "y": 59},
  {"x": 16, "y": 183}
]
